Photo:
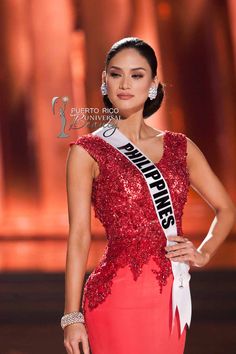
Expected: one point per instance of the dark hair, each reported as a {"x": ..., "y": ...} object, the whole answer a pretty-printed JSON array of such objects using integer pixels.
[{"x": 144, "y": 49}]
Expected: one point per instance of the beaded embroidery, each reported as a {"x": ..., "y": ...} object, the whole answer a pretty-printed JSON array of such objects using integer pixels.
[{"x": 123, "y": 204}]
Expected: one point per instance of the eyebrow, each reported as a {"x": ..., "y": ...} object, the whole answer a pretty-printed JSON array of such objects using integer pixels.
[{"x": 117, "y": 67}]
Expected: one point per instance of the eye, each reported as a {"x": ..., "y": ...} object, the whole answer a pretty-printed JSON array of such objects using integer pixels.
[
  {"x": 114, "y": 74},
  {"x": 137, "y": 76}
]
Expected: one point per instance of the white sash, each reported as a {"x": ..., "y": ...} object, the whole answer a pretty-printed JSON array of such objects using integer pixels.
[{"x": 160, "y": 194}]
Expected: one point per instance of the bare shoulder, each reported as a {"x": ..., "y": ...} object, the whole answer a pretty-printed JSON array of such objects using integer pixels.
[
  {"x": 78, "y": 154},
  {"x": 79, "y": 160},
  {"x": 194, "y": 153},
  {"x": 204, "y": 180}
]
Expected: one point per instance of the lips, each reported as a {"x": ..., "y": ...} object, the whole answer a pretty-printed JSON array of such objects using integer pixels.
[{"x": 125, "y": 97}]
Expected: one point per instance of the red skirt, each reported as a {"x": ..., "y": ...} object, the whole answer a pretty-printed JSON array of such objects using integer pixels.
[{"x": 135, "y": 318}]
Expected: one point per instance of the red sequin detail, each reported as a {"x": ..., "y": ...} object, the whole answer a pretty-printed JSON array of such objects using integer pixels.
[{"x": 123, "y": 204}]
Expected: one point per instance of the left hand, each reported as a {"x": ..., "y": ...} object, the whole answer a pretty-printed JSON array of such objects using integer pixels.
[{"x": 184, "y": 250}]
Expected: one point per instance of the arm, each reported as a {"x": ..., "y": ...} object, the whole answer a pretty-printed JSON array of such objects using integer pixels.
[
  {"x": 79, "y": 175},
  {"x": 213, "y": 192}
]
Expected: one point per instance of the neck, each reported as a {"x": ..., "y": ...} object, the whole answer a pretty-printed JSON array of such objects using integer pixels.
[{"x": 132, "y": 127}]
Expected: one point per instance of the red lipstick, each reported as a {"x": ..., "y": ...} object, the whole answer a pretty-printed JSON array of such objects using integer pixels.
[{"x": 123, "y": 96}]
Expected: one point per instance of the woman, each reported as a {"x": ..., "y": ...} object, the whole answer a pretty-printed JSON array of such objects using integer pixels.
[{"x": 128, "y": 299}]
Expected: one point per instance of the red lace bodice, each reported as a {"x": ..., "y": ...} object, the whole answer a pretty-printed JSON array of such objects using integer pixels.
[{"x": 123, "y": 204}]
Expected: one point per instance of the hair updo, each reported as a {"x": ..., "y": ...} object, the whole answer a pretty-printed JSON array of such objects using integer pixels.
[{"x": 144, "y": 49}]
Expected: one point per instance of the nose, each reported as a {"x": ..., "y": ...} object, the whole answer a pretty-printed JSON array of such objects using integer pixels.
[{"x": 124, "y": 83}]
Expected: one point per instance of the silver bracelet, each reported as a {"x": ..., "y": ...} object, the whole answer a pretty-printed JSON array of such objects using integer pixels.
[{"x": 72, "y": 317}]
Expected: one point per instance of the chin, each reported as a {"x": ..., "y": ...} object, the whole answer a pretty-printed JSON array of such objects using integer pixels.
[
  {"x": 125, "y": 113},
  {"x": 126, "y": 108}
]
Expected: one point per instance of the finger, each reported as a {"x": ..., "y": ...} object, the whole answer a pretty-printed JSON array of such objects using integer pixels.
[
  {"x": 182, "y": 252},
  {"x": 68, "y": 347},
  {"x": 189, "y": 256},
  {"x": 177, "y": 246},
  {"x": 85, "y": 344},
  {"x": 75, "y": 347},
  {"x": 180, "y": 258},
  {"x": 177, "y": 238},
  {"x": 188, "y": 250}
]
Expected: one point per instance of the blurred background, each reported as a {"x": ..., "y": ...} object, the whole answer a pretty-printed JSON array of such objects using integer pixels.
[{"x": 57, "y": 48}]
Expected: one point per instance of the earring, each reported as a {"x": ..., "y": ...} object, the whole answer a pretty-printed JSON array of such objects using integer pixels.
[
  {"x": 104, "y": 89},
  {"x": 152, "y": 93}
]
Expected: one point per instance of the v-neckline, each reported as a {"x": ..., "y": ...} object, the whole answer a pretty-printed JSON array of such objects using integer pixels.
[{"x": 164, "y": 147}]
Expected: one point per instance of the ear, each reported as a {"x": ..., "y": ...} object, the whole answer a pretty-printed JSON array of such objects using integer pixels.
[
  {"x": 155, "y": 81},
  {"x": 104, "y": 76}
]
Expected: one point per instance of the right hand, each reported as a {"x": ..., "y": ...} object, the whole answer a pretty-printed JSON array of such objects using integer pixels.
[{"x": 73, "y": 334}]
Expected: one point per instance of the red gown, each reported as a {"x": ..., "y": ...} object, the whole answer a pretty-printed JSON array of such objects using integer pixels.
[{"x": 127, "y": 298}]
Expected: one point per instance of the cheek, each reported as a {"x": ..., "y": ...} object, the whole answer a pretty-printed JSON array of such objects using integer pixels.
[
  {"x": 142, "y": 85},
  {"x": 141, "y": 90},
  {"x": 112, "y": 85}
]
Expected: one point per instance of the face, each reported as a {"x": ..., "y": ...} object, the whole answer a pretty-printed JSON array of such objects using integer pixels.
[{"x": 128, "y": 80}]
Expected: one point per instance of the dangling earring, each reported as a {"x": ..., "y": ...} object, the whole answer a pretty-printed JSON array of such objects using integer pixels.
[
  {"x": 104, "y": 89},
  {"x": 152, "y": 93}
]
